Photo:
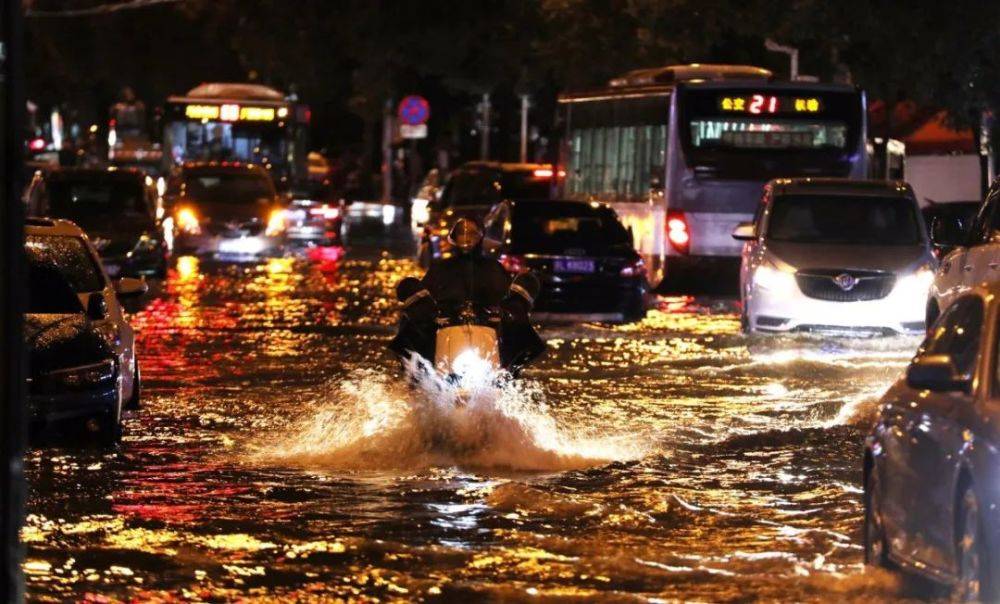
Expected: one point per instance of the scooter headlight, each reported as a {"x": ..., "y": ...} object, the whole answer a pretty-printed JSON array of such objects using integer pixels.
[{"x": 774, "y": 279}]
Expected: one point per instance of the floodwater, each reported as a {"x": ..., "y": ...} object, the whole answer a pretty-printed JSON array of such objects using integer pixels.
[{"x": 281, "y": 455}]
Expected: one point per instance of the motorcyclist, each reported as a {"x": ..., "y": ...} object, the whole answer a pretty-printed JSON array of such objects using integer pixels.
[{"x": 469, "y": 276}]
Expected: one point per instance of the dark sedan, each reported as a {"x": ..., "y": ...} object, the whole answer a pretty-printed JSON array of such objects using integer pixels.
[
  {"x": 118, "y": 209},
  {"x": 471, "y": 191},
  {"x": 73, "y": 374},
  {"x": 580, "y": 252},
  {"x": 931, "y": 463}
]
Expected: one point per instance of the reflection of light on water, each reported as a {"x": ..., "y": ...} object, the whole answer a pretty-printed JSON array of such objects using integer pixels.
[
  {"x": 485, "y": 420},
  {"x": 187, "y": 268}
]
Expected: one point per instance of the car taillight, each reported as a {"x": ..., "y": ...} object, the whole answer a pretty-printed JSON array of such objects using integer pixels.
[
  {"x": 326, "y": 212},
  {"x": 634, "y": 269},
  {"x": 513, "y": 264},
  {"x": 677, "y": 232}
]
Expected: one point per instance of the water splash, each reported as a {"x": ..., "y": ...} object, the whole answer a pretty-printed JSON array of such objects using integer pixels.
[{"x": 484, "y": 419}]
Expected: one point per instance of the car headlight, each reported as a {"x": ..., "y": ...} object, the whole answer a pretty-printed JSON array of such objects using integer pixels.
[
  {"x": 277, "y": 221},
  {"x": 773, "y": 279},
  {"x": 84, "y": 376},
  {"x": 916, "y": 284},
  {"x": 187, "y": 221}
]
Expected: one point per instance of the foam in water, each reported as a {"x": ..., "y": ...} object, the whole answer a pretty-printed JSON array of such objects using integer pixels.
[{"x": 484, "y": 419}]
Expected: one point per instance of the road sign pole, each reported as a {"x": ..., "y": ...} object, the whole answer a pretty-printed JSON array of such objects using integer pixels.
[
  {"x": 524, "y": 127},
  {"x": 387, "y": 135},
  {"x": 484, "y": 141}
]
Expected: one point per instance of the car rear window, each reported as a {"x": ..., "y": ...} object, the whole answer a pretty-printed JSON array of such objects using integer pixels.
[
  {"x": 77, "y": 199},
  {"x": 487, "y": 187},
  {"x": 70, "y": 256},
  {"x": 562, "y": 229}
]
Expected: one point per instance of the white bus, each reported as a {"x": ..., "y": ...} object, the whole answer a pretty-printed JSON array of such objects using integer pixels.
[{"x": 682, "y": 152}]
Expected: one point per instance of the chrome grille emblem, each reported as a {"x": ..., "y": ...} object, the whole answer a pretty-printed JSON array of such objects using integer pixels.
[{"x": 845, "y": 282}]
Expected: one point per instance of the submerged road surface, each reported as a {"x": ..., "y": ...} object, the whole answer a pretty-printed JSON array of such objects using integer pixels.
[{"x": 280, "y": 455}]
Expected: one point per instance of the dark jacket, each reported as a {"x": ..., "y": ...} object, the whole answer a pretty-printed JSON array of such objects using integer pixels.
[{"x": 467, "y": 277}]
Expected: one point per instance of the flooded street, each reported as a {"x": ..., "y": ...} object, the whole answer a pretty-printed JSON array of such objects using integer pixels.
[{"x": 281, "y": 454}]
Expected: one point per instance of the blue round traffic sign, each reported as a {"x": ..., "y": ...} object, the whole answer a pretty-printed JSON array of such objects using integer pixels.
[{"x": 414, "y": 110}]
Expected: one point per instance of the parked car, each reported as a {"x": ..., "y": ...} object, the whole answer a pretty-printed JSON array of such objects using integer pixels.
[
  {"x": 120, "y": 210},
  {"x": 81, "y": 349},
  {"x": 580, "y": 252},
  {"x": 471, "y": 191},
  {"x": 932, "y": 460},
  {"x": 833, "y": 255},
  {"x": 227, "y": 210},
  {"x": 973, "y": 255}
]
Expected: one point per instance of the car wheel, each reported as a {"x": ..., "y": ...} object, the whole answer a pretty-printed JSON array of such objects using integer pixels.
[
  {"x": 133, "y": 401},
  {"x": 876, "y": 552},
  {"x": 970, "y": 552}
]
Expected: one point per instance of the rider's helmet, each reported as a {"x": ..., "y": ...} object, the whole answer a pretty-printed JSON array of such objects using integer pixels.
[{"x": 466, "y": 235}]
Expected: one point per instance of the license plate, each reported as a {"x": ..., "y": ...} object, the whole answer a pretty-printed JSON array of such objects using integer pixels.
[
  {"x": 112, "y": 269},
  {"x": 574, "y": 266}
]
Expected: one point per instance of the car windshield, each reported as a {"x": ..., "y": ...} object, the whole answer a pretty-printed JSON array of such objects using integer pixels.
[
  {"x": 844, "y": 219},
  {"x": 226, "y": 187},
  {"x": 76, "y": 199},
  {"x": 557, "y": 229},
  {"x": 489, "y": 187},
  {"x": 70, "y": 256}
]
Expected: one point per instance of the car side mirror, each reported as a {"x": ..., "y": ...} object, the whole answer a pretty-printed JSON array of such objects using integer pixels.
[
  {"x": 127, "y": 287},
  {"x": 744, "y": 232},
  {"x": 936, "y": 372},
  {"x": 947, "y": 234},
  {"x": 97, "y": 307}
]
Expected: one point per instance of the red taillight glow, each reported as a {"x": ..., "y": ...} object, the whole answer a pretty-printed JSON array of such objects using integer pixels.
[
  {"x": 543, "y": 173},
  {"x": 513, "y": 264},
  {"x": 677, "y": 232},
  {"x": 36, "y": 144}
]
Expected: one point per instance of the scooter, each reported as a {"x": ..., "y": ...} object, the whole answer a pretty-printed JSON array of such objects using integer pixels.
[
  {"x": 455, "y": 340},
  {"x": 466, "y": 333}
]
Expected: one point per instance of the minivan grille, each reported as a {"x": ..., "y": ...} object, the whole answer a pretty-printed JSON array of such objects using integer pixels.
[{"x": 868, "y": 285}]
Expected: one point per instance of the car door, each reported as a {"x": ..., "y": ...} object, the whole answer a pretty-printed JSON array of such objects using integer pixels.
[{"x": 935, "y": 430}]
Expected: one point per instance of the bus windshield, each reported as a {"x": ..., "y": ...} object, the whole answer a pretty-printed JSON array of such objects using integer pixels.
[{"x": 760, "y": 133}]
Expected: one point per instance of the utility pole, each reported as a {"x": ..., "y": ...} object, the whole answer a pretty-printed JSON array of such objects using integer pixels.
[
  {"x": 12, "y": 420},
  {"x": 388, "y": 127},
  {"x": 793, "y": 56},
  {"x": 484, "y": 141},
  {"x": 525, "y": 105}
]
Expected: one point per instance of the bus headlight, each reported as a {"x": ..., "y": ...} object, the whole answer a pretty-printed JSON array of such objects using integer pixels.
[
  {"x": 277, "y": 221},
  {"x": 187, "y": 221},
  {"x": 773, "y": 279}
]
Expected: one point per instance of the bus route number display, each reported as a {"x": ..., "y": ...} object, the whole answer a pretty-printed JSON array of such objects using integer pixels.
[{"x": 764, "y": 104}]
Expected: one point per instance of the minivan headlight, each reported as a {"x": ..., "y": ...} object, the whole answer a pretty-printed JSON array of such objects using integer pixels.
[
  {"x": 916, "y": 284},
  {"x": 773, "y": 279}
]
